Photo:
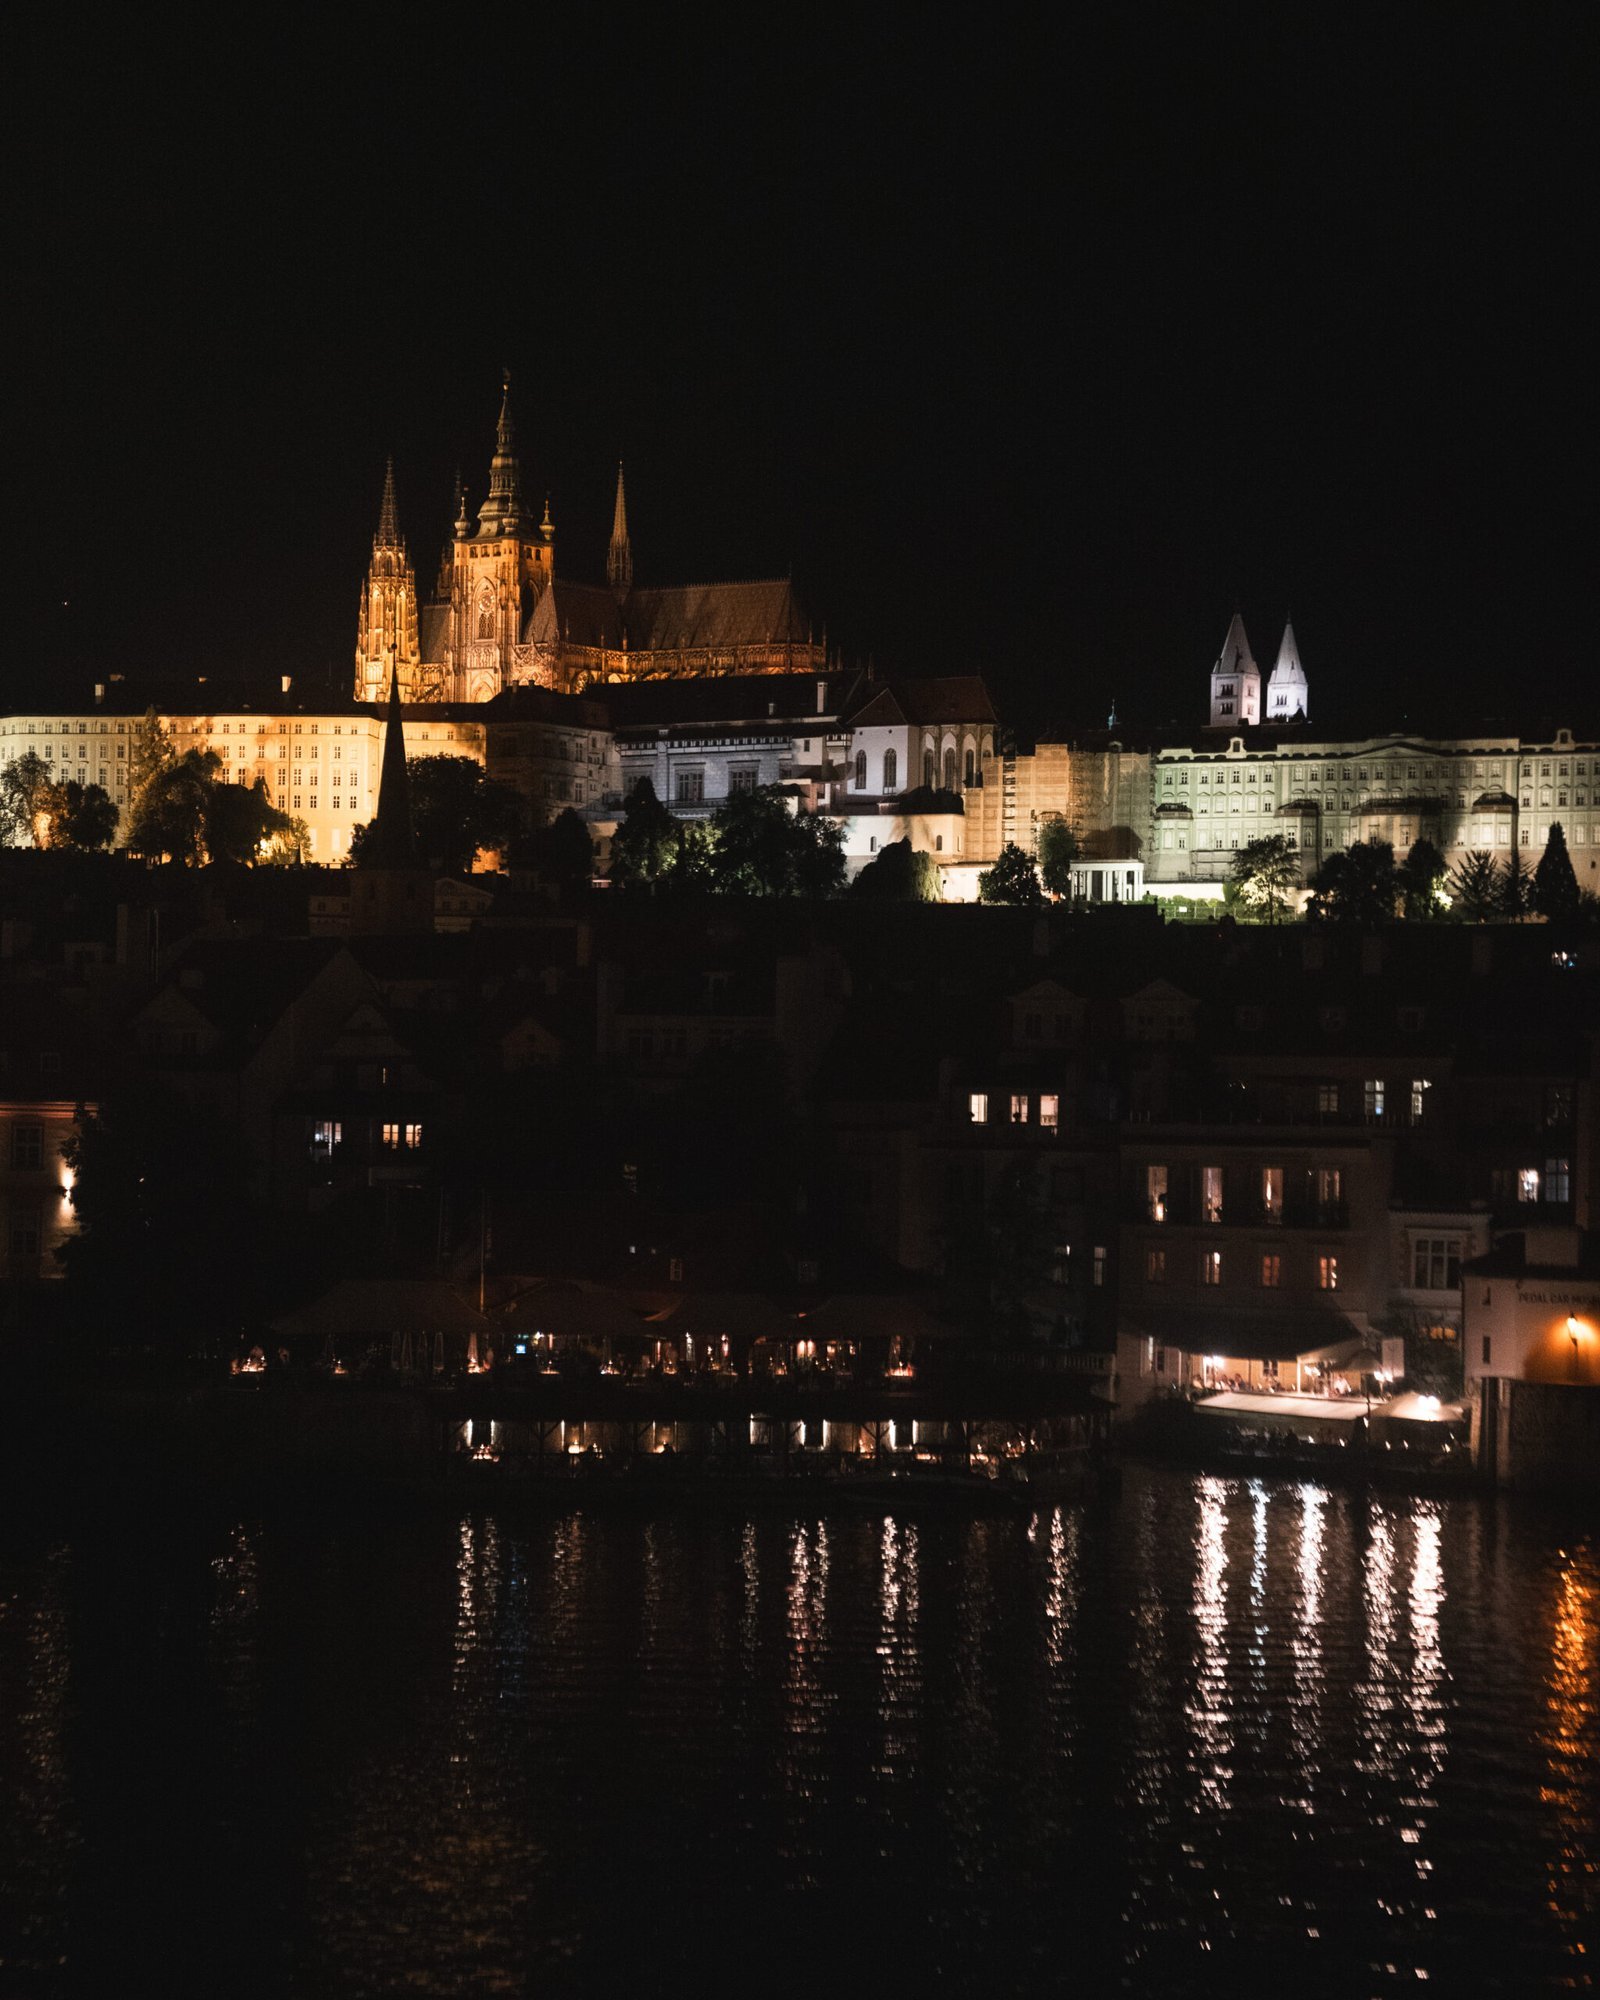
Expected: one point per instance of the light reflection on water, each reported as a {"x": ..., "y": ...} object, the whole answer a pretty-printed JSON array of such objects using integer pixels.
[{"x": 1215, "y": 1733}]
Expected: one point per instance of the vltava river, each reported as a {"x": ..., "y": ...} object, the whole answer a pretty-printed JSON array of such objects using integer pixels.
[{"x": 1215, "y": 1736}]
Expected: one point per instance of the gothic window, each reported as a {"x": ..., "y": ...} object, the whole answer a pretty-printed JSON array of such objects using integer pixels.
[
  {"x": 950, "y": 770},
  {"x": 927, "y": 769},
  {"x": 891, "y": 770},
  {"x": 861, "y": 770}
]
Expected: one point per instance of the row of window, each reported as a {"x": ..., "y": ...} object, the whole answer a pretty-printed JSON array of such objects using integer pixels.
[
  {"x": 1015, "y": 1109},
  {"x": 1266, "y": 1265},
  {"x": 1324, "y": 1184},
  {"x": 396, "y": 1137}
]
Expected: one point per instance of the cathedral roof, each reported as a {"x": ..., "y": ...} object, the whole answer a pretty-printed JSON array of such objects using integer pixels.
[
  {"x": 697, "y": 615},
  {"x": 715, "y": 614},
  {"x": 944, "y": 698}
]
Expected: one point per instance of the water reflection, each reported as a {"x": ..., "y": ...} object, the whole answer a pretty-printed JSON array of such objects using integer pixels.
[
  {"x": 1219, "y": 1736},
  {"x": 1209, "y": 1701},
  {"x": 1568, "y": 1741}
]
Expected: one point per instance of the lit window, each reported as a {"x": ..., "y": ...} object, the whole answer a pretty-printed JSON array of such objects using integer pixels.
[
  {"x": 391, "y": 1138},
  {"x": 326, "y": 1133},
  {"x": 1098, "y": 1273},
  {"x": 411, "y": 1136},
  {"x": 1211, "y": 1193},
  {"x": 978, "y": 1107},
  {"x": 1049, "y": 1112},
  {"x": 1372, "y": 1095},
  {"x": 1155, "y": 1193},
  {"x": 1019, "y": 1110},
  {"x": 1558, "y": 1180},
  {"x": 1211, "y": 1267},
  {"x": 1327, "y": 1274},
  {"x": 1420, "y": 1086},
  {"x": 1527, "y": 1184},
  {"x": 1272, "y": 1193},
  {"x": 1271, "y": 1271}
]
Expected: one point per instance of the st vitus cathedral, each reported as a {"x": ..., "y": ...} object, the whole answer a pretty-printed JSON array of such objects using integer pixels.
[{"x": 501, "y": 617}]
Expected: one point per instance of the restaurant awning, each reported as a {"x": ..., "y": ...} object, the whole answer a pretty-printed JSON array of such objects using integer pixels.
[
  {"x": 1294, "y": 1334},
  {"x": 565, "y": 1309},
  {"x": 377, "y": 1308}
]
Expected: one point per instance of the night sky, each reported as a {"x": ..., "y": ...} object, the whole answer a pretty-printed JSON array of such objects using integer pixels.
[{"x": 1030, "y": 356}]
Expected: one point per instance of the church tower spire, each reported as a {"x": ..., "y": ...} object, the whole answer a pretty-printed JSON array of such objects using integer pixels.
[
  {"x": 619, "y": 558},
  {"x": 1235, "y": 682},
  {"x": 393, "y": 840},
  {"x": 388, "y": 535},
  {"x": 387, "y": 627},
  {"x": 1288, "y": 693},
  {"x": 503, "y": 510}
]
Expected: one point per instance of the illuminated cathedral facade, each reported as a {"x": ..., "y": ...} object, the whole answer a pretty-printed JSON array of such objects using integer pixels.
[{"x": 500, "y": 615}]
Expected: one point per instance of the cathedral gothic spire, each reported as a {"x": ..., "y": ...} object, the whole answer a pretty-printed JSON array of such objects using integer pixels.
[
  {"x": 619, "y": 558},
  {"x": 387, "y": 628},
  {"x": 388, "y": 535},
  {"x": 502, "y": 511}
]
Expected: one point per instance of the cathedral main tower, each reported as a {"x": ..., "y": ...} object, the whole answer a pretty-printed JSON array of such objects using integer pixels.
[{"x": 499, "y": 572}]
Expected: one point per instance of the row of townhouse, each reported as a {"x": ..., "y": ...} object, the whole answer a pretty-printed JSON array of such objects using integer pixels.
[{"x": 1227, "y": 1158}]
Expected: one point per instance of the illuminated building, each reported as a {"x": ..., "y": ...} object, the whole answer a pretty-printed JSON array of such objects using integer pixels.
[
  {"x": 1532, "y": 1339},
  {"x": 501, "y": 616}
]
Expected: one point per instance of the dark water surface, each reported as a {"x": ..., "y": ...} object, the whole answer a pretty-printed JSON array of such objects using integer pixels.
[{"x": 1216, "y": 1736}]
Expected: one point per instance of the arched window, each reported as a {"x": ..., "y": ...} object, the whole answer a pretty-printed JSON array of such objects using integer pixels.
[
  {"x": 971, "y": 766},
  {"x": 950, "y": 770},
  {"x": 927, "y": 769},
  {"x": 891, "y": 770},
  {"x": 861, "y": 770}
]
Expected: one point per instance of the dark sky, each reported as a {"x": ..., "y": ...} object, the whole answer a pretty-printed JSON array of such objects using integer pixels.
[{"x": 1031, "y": 354}]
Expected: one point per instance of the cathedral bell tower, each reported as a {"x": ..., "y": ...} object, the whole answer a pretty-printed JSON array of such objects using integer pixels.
[
  {"x": 387, "y": 628},
  {"x": 500, "y": 571}
]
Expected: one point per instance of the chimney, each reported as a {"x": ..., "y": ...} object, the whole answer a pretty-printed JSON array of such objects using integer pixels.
[
  {"x": 284, "y": 683},
  {"x": 822, "y": 695},
  {"x": 99, "y": 693}
]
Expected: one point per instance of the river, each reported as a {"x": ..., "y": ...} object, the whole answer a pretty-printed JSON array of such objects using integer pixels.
[{"x": 1216, "y": 1735}]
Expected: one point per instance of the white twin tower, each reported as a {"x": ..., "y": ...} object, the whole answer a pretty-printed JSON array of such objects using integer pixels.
[{"x": 1236, "y": 683}]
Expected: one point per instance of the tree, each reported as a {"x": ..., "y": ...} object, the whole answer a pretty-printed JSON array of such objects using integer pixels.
[
  {"x": 1358, "y": 886},
  {"x": 25, "y": 800},
  {"x": 818, "y": 854},
  {"x": 1516, "y": 889},
  {"x": 694, "y": 849},
  {"x": 1058, "y": 849},
  {"x": 899, "y": 874},
  {"x": 150, "y": 753},
  {"x": 83, "y": 817},
  {"x": 1266, "y": 870},
  {"x": 1012, "y": 879},
  {"x": 456, "y": 812},
  {"x": 243, "y": 825},
  {"x": 1555, "y": 886},
  {"x": 1476, "y": 888},
  {"x": 1421, "y": 877},
  {"x": 170, "y": 819},
  {"x": 764, "y": 849},
  {"x": 563, "y": 851},
  {"x": 644, "y": 846}
]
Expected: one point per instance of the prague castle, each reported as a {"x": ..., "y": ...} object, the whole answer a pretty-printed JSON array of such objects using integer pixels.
[{"x": 501, "y": 616}]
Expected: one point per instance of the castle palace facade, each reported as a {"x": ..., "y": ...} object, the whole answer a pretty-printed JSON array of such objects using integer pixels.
[{"x": 501, "y": 617}]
